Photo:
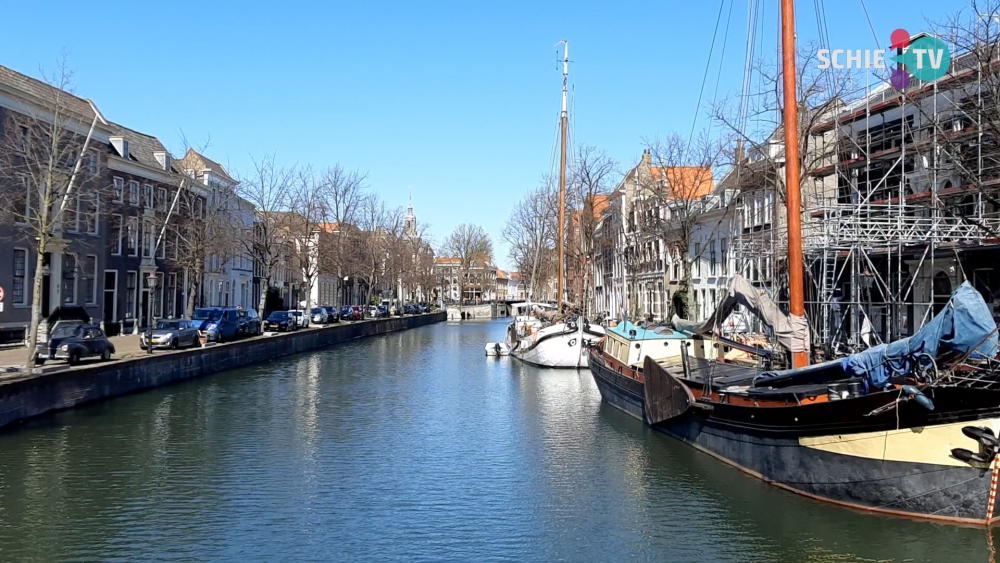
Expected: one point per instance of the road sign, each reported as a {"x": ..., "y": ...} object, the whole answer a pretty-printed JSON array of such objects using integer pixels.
[{"x": 1, "y": 293}]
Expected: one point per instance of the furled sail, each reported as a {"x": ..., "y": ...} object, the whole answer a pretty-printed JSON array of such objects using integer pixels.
[{"x": 791, "y": 331}]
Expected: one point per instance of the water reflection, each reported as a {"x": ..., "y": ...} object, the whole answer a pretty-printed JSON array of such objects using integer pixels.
[{"x": 412, "y": 446}]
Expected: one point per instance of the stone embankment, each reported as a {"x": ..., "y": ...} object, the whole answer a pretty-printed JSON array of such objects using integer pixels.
[{"x": 25, "y": 396}]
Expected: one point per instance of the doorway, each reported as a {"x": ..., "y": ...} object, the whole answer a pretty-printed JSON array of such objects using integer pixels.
[
  {"x": 110, "y": 311},
  {"x": 942, "y": 291}
]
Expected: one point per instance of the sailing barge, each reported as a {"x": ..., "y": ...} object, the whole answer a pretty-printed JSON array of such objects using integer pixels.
[{"x": 907, "y": 428}]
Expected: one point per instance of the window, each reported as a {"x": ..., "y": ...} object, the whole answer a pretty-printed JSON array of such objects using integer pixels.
[
  {"x": 69, "y": 279},
  {"x": 147, "y": 240},
  {"x": 147, "y": 195},
  {"x": 133, "y": 192},
  {"x": 161, "y": 248},
  {"x": 711, "y": 259},
  {"x": 93, "y": 164},
  {"x": 130, "y": 289},
  {"x": 71, "y": 213},
  {"x": 725, "y": 257},
  {"x": 91, "y": 213},
  {"x": 133, "y": 236},
  {"x": 119, "y": 189},
  {"x": 171, "y": 295},
  {"x": 697, "y": 259},
  {"x": 90, "y": 279},
  {"x": 157, "y": 296},
  {"x": 161, "y": 198},
  {"x": 177, "y": 245},
  {"x": 18, "y": 294},
  {"x": 115, "y": 236}
]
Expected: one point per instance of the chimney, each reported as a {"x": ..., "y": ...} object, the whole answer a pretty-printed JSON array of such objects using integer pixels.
[
  {"x": 739, "y": 151},
  {"x": 121, "y": 146},
  {"x": 163, "y": 158}
]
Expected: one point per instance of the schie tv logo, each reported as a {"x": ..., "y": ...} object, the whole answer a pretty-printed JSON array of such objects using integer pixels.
[{"x": 926, "y": 58}]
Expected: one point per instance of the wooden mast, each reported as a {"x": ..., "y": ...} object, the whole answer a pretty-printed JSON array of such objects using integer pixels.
[
  {"x": 563, "y": 118},
  {"x": 793, "y": 206}
]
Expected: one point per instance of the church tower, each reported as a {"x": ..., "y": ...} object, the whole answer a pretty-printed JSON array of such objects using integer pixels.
[{"x": 410, "y": 220}]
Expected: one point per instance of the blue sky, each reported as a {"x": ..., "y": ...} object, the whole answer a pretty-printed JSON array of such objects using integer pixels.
[{"x": 459, "y": 100}]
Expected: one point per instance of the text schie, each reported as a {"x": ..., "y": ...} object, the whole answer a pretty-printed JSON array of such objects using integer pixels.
[{"x": 874, "y": 58}]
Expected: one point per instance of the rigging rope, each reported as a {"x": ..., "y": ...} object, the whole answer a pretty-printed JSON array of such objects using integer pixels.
[{"x": 708, "y": 65}]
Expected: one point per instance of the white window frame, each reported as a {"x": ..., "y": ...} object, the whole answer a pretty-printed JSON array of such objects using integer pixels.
[
  {"x": 146, "y": 240},
  {"x": 76, "y": 279},
  {"x": 116, "y": 246},
  {"x": 130, "y": 313},
  {"x": 161, "y": 249},
  {"x": 118, "y": 189},
  {"x": 94, "y": 225},
  {"x": 147, "y": 196},
  {"x": 25, "y": 276},
  {"x": 93, "y": 299},
  {"x": 161, "y": 197},
  {"x": 132, "y": 230},
  {"x": 133, "y": 192}
]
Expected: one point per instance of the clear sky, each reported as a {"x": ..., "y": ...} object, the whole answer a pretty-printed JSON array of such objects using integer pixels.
[{"x": 458, "y": 100}]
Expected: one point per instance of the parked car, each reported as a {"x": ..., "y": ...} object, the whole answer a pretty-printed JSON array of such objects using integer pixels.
[
  {"x": 319, "y": 316},
  {"x": 301, "y": 318},
  {"x": 280, "y": 321},
  {"x": 359, "y": 313},
  {"x": 383, "y": 311},
  {"x": 218, "y": 324},
  {"x": 332, "y": 313},
  {"x": 73, "y": 341},
  {"x": 346, "y": 313},
  {"x": 410, "y": 310},
  {"x": 373, "y": 312},
  {"x": 172, "y": 334},
  {"x": 249, "y": 322}
]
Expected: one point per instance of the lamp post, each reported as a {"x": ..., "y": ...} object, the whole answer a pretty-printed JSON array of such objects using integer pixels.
[
  {"x": 151, "y": 284},
  {"x": 344, "y": 303}
]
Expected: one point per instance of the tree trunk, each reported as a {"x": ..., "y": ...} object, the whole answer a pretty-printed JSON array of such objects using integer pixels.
[
  {"x": 36, "y": 302},
  {"x": 265, "y": 287}
]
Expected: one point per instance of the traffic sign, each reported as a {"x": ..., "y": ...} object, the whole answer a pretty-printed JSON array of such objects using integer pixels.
[{"x": 1, "y": 293}]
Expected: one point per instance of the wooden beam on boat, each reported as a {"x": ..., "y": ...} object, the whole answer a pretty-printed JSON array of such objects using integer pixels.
[{"x": 666, "y": 397}]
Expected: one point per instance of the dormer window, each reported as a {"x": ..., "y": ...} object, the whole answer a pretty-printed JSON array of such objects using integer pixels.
[{"x": 121, "y": 147}]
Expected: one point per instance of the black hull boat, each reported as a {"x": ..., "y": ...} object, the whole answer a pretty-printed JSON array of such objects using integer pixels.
[{"x": 922, "y": 444}]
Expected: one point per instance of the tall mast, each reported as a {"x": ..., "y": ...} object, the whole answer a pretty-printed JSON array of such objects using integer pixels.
[
  {"x": 796, "y": 289},
  {"x": 563, "y": 118}
]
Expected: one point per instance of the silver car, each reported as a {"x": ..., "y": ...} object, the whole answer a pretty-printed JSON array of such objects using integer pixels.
[{"x": 172, "y": 334}]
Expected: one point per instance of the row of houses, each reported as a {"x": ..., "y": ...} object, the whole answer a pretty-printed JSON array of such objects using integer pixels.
[
  {"x": 133, "y": 237},
  {"x": 900, "y": 195},
  {"x": 483, "y": 283}
]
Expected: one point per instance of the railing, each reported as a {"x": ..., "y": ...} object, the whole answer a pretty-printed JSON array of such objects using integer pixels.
[{"x": 14, "y": 336}]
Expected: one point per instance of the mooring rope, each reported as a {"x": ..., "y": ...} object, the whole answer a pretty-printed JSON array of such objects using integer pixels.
[{"x": 993, "y": 489}]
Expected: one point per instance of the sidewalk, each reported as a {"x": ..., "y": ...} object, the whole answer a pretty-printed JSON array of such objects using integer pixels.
[{"x": 125, "y": 347}]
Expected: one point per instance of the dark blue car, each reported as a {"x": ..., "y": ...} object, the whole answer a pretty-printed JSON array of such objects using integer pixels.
[
  {"x": 347, "y": 313},
  {"x": 218, "y": 324}
]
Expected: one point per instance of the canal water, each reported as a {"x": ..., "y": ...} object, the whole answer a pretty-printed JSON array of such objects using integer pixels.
[{"x": 407, "y": 447}]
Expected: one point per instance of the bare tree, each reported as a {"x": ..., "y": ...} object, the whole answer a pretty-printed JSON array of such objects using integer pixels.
[
  {"x": 345, "y": 194},
  {"x": 305, "y": 225},
  {"x": 530, "y": 231},
  {"x": 380, "y": 228},
  {"x": 471, "y": 245},
  {"x": 591, "y": 179},
  {"x": 48, "y": 163},
  {"x": 674, "y": 200},
  {"x": 267, "y": 190}
]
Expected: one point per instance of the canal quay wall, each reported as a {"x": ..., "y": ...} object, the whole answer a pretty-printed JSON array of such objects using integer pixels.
[{"x": 31, "y": 396}]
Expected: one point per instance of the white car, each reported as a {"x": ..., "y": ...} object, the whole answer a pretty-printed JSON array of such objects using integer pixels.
[{"x": 301, "y": 318}]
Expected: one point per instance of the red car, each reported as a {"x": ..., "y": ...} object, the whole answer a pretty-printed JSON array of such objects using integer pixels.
[{"x": 358, "y": 313}]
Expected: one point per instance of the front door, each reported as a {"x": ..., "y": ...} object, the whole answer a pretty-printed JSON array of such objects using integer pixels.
[{"x": 109, "y": 313}]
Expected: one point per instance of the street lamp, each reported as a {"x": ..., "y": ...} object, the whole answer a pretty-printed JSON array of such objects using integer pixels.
[
  {"x": 344, "y": 296},
  {"x": 151, "y": 284}
]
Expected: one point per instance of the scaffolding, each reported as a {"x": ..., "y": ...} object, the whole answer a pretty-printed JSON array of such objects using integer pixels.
[{"x": 900, "y": 213}]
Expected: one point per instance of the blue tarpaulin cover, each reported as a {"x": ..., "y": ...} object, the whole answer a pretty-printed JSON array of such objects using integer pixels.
[{"x": 964, "y": 326}]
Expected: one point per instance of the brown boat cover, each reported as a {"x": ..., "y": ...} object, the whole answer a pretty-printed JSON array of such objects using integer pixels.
[{"x": 792, "y": 331}]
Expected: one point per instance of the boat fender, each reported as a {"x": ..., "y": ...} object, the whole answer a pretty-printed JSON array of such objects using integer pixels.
[
  {"x": 572, "y": 342},
  {"x": 914, "y": 394}
]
